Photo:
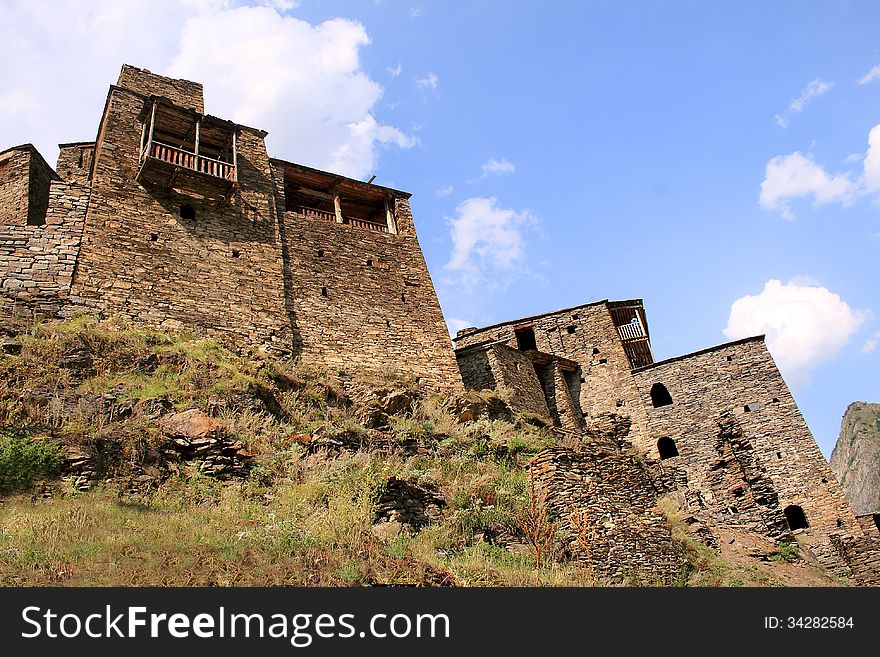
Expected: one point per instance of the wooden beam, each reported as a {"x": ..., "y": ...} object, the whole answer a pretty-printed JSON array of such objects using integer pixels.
[
  {"x": 389, "y": 216},
  {"x": 235, "y": 156},
  {"x": 152, "y": 126},
  {"x": 337, "y": 205},
  {"x": 198, "y": 122}
]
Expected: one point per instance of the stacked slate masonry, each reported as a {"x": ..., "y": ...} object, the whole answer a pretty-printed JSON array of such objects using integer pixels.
[
  {"x": 179, "y": 219},
  {"x": 718, "y": 430}
]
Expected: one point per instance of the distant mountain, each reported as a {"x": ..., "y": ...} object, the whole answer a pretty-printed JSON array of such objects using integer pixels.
[{"x": 856, "y": 456}]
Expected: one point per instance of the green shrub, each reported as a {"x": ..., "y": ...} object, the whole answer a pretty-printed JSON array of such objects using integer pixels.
[{"x": 24, "y": 459}]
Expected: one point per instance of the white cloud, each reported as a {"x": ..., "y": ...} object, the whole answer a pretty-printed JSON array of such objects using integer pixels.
[
  {"x": 805, "y": 324},
  {"x": 789, "y": 177},
  {"x": 395, "y": 71},
  {"x": 260, "y": 66},
  {"x": 455, "y": 325},
  {"x": 488, "y": 242},
  {"x": 810, "y": 93},
  {"x": 871, "y": 175},
  {"x": 500, "y": 167},
  {"x": 871, "y": 343},
  {"x": 416, "y": 12},
  {"x": 870, "y": 76},
  {"x": 445, "y": 190},
  {"x": 428, "y": 82}
]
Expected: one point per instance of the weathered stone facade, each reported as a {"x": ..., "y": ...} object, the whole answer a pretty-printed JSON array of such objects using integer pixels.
[
  {"x": 587, "y": 337},
  {"x": 179, "y": 219},
  {"x": 41, "y": 221},
  {"x": 604, "y": 503},
  {"x": 718, "y": 429}
]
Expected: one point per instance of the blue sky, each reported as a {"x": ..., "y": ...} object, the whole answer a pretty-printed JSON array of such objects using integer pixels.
[{"x": 714, "y": 160}]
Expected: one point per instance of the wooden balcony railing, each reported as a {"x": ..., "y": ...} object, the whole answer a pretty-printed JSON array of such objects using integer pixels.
[
  {"x": 369, "y": 225},
  {"x": 315, "y": 214},
  {"x": 331, "y": 216},
  {"x": 188, "y": 160},
  {"x": 631, "y": 331}
]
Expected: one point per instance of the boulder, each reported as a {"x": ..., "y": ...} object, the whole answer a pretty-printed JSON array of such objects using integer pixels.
[{"x": 190, "y": 427}]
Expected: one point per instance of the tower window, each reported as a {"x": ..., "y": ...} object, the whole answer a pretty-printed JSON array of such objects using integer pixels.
[
  {"x": 660, "y": 395},
  {"x": 570, "y": 329},
  {"x": 525, "y": 339},
  {"x": 796, "y": 517},
  {"x": 666, "y": 448},
  {"x": 323, "y": 291},
  {"x": 187, "y": 211}
]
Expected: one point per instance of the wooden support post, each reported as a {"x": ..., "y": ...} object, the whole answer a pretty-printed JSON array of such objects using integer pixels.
[
  {"x": 143, "y": 138},
  {"x": 152, "y": 126},
  {"x": 234, "y": 156},
  {"x": 389, "y": 215},
  {"x": 198, "y": 122},
  {"x": 337, "y": 205}
]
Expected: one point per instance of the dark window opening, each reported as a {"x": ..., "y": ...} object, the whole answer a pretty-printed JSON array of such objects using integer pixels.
[
  {"x": 387, "y": 323},
  {"x": 369, "y": 263},
  {"x": 154, "y": 237},
  {"x": 320, "y": 253},
  {"x": 660, "y": 395},
  {"x": 729, "y": 359},
  {"x": 876, "y": 518},
  {"x": 666, "y": 448},
  {"x": 839, "y": 522},
  {"x": 403, "y": 298},
  {"x": 570, "y": 329},
  {"x": 583, "y": 380},
  {"x": 595, "y": 350},
  {"x": 778, "y": 456},
  {"x": 575, "y": 316},
  {"x": 796, "y": 517},
  {"x": 738, "y": 492},
  {"x": 776, "y": 400},
  {"x": 824, "y": 480},
  {"x": 602, "y": 361},
  {"x": 187, "y": 211},
  {"x": 620, "y": 403},
  {"x": 236, "y": 253},
  {"x": 525, "y": 339},
  {"x": 323, "y": 291}
]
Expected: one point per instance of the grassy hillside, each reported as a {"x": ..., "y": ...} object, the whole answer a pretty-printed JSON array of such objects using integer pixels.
[{"x": 300, "y": 477}]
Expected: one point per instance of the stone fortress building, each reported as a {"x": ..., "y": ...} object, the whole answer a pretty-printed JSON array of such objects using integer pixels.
[
  {"x": 717, "y": 429},
  {"x": 176, "y": 218}
]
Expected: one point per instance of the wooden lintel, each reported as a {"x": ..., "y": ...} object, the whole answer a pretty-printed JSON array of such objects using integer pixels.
[{"x": 316, "y": 193}]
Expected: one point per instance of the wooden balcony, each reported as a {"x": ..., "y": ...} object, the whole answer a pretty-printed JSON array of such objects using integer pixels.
[
  {"x": 631, "y": 331},
  {"x": 191, "y": 152}
]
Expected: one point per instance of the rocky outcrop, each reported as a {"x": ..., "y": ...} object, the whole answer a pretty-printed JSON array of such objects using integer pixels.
[
  {"x": 408, "y": 505},
  {"x": 856, "y": 457},
  {"x": 194, "y": 436}
]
